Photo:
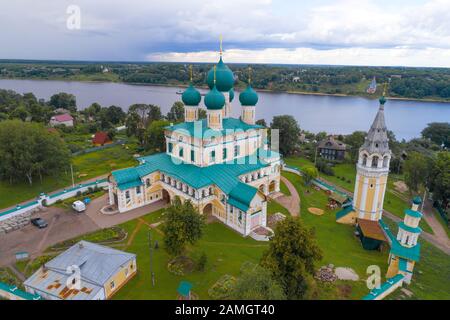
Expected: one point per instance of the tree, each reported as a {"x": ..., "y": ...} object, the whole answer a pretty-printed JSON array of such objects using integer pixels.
[
  {"x": 440, "y": 184},
  {"x": 183, "y": 225},
  {"x": 111, "y": 116},
  {"x": 291, "y": 257},
  {"x": 176, "y": 113},
  {"x": 438, "y": 132},
  {"x": 309, "y": 173},
  {"x": 93, "y": 109},
  {"x": 289, "y": 133},
  {"x": 64, "y": 100},
  {"x": 28, "y": 150},
  {"x": 415, "y": 169},
  {"x": 139, "y": 117},
  {"x": 261, "y": 122},
  {"x": 354, "y": 141},
  {"x": 154, "y": 136},
  {"x": 257, "y": 283}
]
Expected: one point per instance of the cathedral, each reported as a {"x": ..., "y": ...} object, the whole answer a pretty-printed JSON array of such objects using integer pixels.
[{"x": 223, "y": 165}]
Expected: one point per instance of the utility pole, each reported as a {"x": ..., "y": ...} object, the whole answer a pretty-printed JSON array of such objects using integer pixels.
[{"x": 151, "y": 257}]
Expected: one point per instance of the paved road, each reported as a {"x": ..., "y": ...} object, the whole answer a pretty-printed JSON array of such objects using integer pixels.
[{"x": 64, "y": 225}]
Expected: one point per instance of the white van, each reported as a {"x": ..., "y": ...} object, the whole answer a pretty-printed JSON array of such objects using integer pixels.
[{"x": 79, "y": 206}]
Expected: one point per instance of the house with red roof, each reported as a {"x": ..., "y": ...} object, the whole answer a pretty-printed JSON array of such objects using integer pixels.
[
  {"x": 62, "y": 119},
  {"x": 101, "y": 138}
]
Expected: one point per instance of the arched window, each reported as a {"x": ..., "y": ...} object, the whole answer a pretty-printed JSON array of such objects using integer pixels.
[
  {"x": 385, "y": 161},
  {"x": 364, "y": 159},
  {"x": 375, "y": 161},
  {"x": 147, "y": 182}
]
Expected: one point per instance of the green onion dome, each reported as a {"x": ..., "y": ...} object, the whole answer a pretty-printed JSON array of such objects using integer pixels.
[
  {"x": 191, "y": 96},
  {"x": 382, "y": 100},
  {"x": 231, "y": 93},
  {"x": 214, "y": 100},
  {"x": 248, "y": 97},
  {"x": 224, "y": 77},
  {"x": 417, "y": 200}
]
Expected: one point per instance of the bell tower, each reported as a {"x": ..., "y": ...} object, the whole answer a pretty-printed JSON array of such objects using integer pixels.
[{"x": 372, "y": 170}]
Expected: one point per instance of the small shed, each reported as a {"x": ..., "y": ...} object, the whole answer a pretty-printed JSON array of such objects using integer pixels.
[
  {"x": 371, "y": 234},
  {"x": 101, "y": 138}
]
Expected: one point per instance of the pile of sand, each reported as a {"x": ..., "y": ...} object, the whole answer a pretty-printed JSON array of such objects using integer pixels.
[
  {"x": 346, "y": 274},
  {"x": 316, "y": 211}
]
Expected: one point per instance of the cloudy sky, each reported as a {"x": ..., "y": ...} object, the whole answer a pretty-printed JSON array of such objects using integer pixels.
[{"x": 348, "y": 32}]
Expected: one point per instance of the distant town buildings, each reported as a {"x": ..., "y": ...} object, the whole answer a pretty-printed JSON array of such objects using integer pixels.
[
  {"x": 62, "y": 119},
  {"x": 331, "y": 149},
  {"x": 85, "y": 271}
]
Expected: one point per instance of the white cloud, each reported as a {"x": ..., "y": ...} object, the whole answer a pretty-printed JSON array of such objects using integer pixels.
[
  {"x": 135, "y": 29},
  {"x": 343, "y": 56}
]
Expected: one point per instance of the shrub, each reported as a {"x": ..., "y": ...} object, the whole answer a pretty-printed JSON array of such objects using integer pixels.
[
  {"x": 201, "y": 263},
  {"x": 79, "y": 193},
  {"x": 223, "y": 288}
]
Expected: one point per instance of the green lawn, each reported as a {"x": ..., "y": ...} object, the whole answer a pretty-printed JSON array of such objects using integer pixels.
[
  {"x": 338, "y": 243},
  {"x": 392, "y": 202},
  {"x": 85, "y": 167},
  {"x": 226, "y": 251}
]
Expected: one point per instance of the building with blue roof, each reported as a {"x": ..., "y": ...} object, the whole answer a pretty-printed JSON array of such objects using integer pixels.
[{"x": 221, "y": 164}]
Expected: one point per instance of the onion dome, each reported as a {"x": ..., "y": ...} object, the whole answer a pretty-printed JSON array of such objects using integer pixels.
[
  {"x": 214, "y": 100},
  {"x": 231, "y": 93},
  {"x": 382, "y": 100},
  {"x": 417, "y": 200},
  {"x": 224, "y": 77},
  {"x": 191, "y": 96},
  {"x": 248, "y": 97}
]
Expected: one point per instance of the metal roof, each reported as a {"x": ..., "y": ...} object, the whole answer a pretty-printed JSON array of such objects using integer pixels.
[
  {"x": 224, "y": 175},
  {"x": 97, "y": 264}
]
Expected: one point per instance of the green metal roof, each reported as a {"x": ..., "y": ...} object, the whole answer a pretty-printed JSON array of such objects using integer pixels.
[
  {"x": 199, "y": 129},
  {"x": 412, "y": 213},
  {"x": 417, "y": 200},
  {"x": 225, "y": 175},
  {"x": 248, "y": 97},
  {"x": 402, "y": 225},
  {"x": 214, "y": 100},
  {"x": 412, "y": 253},
  {"x": 397, "y": 249},
  {"x": 343, "y": 212},
  {"x": 383, "y": 287},
  {"x": 16, "y": 291},
  {"x": 191, "y": 96},
  {"x": 224, "y": 77}
]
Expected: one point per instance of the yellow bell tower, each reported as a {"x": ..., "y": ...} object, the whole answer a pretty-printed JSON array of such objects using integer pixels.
[{"x": 372, "y": 170}]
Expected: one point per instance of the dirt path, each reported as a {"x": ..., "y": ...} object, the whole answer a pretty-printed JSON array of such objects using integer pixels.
[
  {"x": 135, "y": 231},
  {"x": 292, "y": 202}
]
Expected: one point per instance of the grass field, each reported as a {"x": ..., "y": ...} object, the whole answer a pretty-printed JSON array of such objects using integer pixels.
[
  {"x": 85, "y": 166},
  {"x": 392, "y": 202}
]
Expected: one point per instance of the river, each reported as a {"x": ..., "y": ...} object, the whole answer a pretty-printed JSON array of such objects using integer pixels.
[{"x": 314, "y": 113}]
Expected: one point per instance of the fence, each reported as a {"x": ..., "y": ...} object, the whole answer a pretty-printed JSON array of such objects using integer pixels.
[
  {"x": 93, "y": 149},
  {"x": 44, "y": 199}
]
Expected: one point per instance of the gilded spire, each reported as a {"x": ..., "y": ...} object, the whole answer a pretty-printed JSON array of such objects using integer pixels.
[
  {"x": 249, "y": 75},
  {"x": 214, "y": 75},
  {"x": 190, "y": 72},
  {"x": 220, "y": 41}
]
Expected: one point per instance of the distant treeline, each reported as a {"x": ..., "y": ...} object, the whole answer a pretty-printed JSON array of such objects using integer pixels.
[{"x": 413, "y": 83}]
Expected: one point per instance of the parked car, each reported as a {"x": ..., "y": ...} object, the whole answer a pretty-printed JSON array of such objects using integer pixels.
[
  {"x": 39, "y": 222},
  {"x": 79, "y": 206}
]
